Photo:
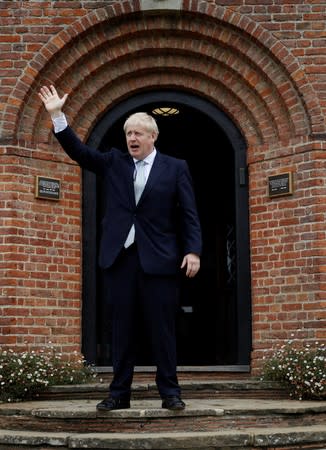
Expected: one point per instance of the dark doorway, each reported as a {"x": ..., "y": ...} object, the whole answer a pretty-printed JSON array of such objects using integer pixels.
[{"x": 217, "y": 301}]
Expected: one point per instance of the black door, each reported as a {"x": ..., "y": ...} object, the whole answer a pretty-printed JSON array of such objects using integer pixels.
[{"x": 214, "y": 314}]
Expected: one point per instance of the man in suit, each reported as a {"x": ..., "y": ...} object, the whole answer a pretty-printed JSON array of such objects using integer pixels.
[{"x": 150, "y": 233}]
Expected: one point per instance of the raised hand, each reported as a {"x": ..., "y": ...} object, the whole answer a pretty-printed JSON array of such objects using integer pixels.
[{"x": 51, "y": 100}]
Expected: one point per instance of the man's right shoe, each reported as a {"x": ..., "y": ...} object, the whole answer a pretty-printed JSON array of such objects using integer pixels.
[
  {"x": 110, "y": 403},
  {"x": 174, "y": 403}
]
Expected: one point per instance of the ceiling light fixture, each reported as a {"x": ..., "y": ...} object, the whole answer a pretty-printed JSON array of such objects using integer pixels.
[{"x": 165, "y": 111}]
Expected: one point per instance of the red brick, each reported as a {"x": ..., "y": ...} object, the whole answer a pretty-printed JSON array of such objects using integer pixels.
[{"x": 276, "y": 95}]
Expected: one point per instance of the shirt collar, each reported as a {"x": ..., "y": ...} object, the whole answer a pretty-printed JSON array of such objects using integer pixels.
[{"x": 149, "y": 158}]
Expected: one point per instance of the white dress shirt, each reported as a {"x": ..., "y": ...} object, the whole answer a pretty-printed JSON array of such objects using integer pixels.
[
  {"x": 59, "y": 123},
  {"x": 149, "y": 162}
]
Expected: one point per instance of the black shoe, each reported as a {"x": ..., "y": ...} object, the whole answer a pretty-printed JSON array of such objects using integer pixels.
[
  {"x": 109, "y": 404},
  {"x": 174, "y": 403}
]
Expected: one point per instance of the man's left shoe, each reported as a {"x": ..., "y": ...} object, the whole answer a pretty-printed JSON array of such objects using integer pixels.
[
  {"x": 109, "y": 404},
  {"x": 174, "y": 403}
]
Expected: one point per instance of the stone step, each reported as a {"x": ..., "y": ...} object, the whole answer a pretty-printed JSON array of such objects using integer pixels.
[
  {"x": 197, "y": 388},
  {"x": 311, "y": 437},
  {"x": 221, "y": 414},
  {"x": 147, "y": 416}
]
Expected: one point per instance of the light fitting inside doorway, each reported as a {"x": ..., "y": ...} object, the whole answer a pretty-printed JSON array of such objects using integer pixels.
[{"x": 165, "y": 111}]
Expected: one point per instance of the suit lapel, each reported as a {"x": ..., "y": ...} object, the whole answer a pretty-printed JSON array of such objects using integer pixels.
[
  {"x": 158, "y": 167},
  {"x": 128, "y": 175}
]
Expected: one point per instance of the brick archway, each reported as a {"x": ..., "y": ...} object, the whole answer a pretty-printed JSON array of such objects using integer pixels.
[
  {"x": 205, "y": 49},
  {"x": 210, "y": 51}
]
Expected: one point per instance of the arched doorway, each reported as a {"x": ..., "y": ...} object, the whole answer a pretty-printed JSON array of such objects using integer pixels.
[{"x": 214, "y": 324}]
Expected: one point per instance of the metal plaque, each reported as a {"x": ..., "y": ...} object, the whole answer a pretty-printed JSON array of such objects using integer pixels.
[
  {"x": 47, "y": 188},
  {"x": 281, "y": 184}
]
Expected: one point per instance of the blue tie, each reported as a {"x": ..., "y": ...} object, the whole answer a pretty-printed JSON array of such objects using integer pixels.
[
  {"x": 140, "y": 179},
  {"x": 139, "y": 184}
]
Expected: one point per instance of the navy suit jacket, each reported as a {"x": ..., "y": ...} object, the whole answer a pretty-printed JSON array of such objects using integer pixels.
[{"x": 166, "y": 221}]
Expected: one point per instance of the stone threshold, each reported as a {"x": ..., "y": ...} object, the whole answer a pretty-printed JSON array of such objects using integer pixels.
[
  {"x": 185, "y": 385},
  {"x": 190, "y": 388}
]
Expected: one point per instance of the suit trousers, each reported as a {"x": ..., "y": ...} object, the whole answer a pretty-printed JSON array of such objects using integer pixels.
[{"x": 130, "y": 291}]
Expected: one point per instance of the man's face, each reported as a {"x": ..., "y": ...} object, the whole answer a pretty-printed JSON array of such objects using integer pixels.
[{"x": 140, "y": 142}]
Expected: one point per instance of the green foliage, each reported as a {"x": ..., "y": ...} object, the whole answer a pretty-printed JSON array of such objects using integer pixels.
[
  {"x": 24, "y": 374},
  {"x": 301, "y": 368}
]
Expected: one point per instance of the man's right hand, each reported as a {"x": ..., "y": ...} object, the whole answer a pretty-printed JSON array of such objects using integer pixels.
[{"x": 51, "y": 100}]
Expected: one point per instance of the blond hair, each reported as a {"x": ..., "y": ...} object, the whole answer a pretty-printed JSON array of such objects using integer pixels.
[{"x": 143, "y": 119}]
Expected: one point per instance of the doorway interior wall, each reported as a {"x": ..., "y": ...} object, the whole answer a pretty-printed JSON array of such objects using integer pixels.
[{"x": 214, "y": 320}]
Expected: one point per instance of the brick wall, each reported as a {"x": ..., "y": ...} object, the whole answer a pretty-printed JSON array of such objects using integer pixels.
[
  {"x": 40, "y": 254},
  {"x": 262, "y": 62},
  {"x": 288, "y": 242}
]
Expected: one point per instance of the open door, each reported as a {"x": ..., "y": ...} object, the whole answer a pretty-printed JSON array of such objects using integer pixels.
[{"x": 214, "y": 319}]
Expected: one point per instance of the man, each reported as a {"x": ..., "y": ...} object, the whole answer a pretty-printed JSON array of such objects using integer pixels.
[{"x": 149, "y": 203}]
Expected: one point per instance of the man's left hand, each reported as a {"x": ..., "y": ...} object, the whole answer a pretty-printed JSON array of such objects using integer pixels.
[{"x": 192, "y": 264}]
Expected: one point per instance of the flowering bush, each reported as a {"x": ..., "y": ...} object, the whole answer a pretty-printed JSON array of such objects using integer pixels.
[
  {"x": 301, "y": 368},
  {"x": 24, "y": 374}
]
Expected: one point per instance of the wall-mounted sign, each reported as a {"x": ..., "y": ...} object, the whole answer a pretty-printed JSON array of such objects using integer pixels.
[
  {"x": 47, "y": 188},
  {"x": 281, "y": 184}
]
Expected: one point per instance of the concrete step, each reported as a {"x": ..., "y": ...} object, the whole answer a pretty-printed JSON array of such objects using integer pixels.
[{"x": 311, "y": 437}]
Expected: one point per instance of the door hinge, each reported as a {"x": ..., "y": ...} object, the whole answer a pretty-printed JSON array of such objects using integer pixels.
[{"x": 243, "y": 176}]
